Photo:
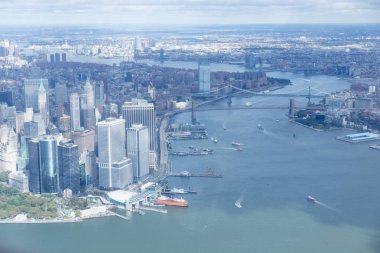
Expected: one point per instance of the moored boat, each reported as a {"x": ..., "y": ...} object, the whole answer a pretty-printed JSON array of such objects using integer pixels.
[{"x": 163, "y": 200}]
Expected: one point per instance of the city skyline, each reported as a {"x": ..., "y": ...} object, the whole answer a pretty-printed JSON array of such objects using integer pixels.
[{"x": 192, "y": 12}]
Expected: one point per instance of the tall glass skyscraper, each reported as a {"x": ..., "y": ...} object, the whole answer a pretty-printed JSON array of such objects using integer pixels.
[
  {"x": 43, "y": 167},
  {"x": 74, "y": 111},
  {"x": 204, "y": 76},
  {"x": 68, "y": 164},
  {"x": 115, "y": 170},
  {"x": 138, "y": 150}
]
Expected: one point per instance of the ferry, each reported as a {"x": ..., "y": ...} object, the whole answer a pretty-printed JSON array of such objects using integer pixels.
[
  {"x": 163, "y": 200},
  {"x": 234, "y": 143},
  {"x": 311, "y": 199}
]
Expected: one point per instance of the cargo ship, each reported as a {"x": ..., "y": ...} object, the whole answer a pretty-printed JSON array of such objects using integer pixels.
[{"x": 163, "y": 200}]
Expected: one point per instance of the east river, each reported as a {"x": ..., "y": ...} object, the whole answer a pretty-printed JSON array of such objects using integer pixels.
[{"x": 272, "y": 176}]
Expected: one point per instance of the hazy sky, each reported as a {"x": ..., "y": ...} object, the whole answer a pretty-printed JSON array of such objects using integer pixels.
[{"x": 188, "y": 11}]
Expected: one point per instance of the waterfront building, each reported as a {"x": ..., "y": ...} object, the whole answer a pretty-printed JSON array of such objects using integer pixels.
[
  {"x": 68, "y": 166},
  {"x": 31, "y": 88},
  {"x": 140, "y": 111},
  {"x": 204, "y": 76},
  {"x": 138, "y": 150},
  {"x": 115, "y": 170},
  {"x": 19, "y": 181},
  {"x": 43, "y": 165},
  {"x": 8, "y": 149},
  {"x": 74, "y": 111}
]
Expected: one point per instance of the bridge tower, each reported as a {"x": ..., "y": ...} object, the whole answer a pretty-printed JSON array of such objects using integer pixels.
[
  {"x": 309, "y": 98},
  {"x": 193, "y": 115},
  {"x": 229, "y": 100},
  {"x": 291, "y": 108}
]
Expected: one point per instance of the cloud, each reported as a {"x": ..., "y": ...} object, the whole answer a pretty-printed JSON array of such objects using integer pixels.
[{"x": 188, "y": 11}]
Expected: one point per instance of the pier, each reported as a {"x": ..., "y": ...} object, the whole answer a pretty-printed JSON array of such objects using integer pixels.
[{"x": 209, "y": 173}]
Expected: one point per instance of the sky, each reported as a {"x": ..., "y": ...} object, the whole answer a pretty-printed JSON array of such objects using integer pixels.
[{"x": 196, "y": 12}]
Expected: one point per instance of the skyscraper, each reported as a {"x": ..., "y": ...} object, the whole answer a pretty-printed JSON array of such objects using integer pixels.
[
  {"x": 42, "y": 104},
  {"x": 61, "y": 94},
  {"x": 57, "y": 57},
  {"x": 68, "y": 166},
  {"x": 85, "y": 139},
  {"x": 139, "y": 111},
  {"x": 99, "y": 95},
  {"x": 64, "y": 57},
  {"x": 204, "y": 76},
  {"x": 8, "y": 149},
  {"x": 89, "y": 90},
  {"x": 115, "y": 170},
  {"x": 74, "y": 111},
  {"x": 43, "y": 166},
  {"x": 31, "y": 88},
  {"x": 138, "y": 150}
]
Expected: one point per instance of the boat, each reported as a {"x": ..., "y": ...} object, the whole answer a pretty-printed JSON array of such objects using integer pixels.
[
  {"x": 163, "y": 200},
  {"x": 311, "y": 199},
  {"x": 239, "y": 149},
  {"x": 248, "y": 104},
  {"x": 260, "y": 127},
  {"x": 178, "y": 191},
  {"x": 234, "y": 143},
  {"x": 215, "y": 140},
  {"x": 238, "y": 204}
]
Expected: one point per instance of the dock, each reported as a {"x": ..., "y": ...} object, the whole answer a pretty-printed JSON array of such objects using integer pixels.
[
  {"x": 188, "y": 174},
  {"x": 118, "y": 215}
]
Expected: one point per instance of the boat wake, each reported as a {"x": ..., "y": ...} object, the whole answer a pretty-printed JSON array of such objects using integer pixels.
[{"x": 326, "y": 206}]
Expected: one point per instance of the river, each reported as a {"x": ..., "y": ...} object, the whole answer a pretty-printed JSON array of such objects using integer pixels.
[{"x": 272, "y": 177}]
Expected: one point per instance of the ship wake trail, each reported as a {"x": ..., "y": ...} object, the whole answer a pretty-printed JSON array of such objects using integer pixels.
[{"x": 326, "y": 206}]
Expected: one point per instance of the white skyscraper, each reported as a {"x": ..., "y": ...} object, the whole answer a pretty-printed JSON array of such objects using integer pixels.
[
  {"x": 74, "y": 111},
  {"x": 115, "y": 170},
  {"x": 138, "y": 150},
  {"x": 42, "y": 104},
  {"x": 204, "y": 76},
  {"x": 8, "y": 149},
  {"x": 140, "y": 111},
  {"x": 89, "y": 90},
  {"x": 31, "y": 87}
]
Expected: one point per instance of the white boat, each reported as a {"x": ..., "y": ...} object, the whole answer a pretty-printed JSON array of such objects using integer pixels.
[
  {"x": 234, "y": 143},
  {"x": 248, "y": 104},
  {"x": 215, "y": 140},
  {"x": 178, "y": 191},
  {"x": 238, "y": 204}
]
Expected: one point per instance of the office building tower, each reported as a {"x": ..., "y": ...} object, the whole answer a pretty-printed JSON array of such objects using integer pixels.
[
  {"x": 64, "y": 57},
  {"x": 28, "y": 114},
  {"x": 204, "y": 76},
  {"x": 8, "y": 149},
  {"x": 99, "y": 95},
  {"x": 43, "y": 166},
  {"x": 42, "y": 104},
  {"x": 64, "y": 123},
  {"x": 115, "y": 170},
  {"x": 89, "y": 173},
  {"x": 19, "y": 181},
  {"x": 138, "y": 150},
  {"x": 20, "y": 120},
  {"x": 140, "y": 111},
  {"x": 57, "y": 57},
  {"x": 84, "y": 138},
  {"x": 31, "y": 92},
  {"x": 31, "y": 129},
  {"x": 74, "y": 111},
  {"x": 68, "y": 166},
  {"x": 7, "y": 97},
  {"x": 12, "y": 115},
  {"x": 89, "y": 90},
  {"x": 52, "y": 58},
  {"x": 61, "y": 96},
  {"x": 40, "y": 123}
]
